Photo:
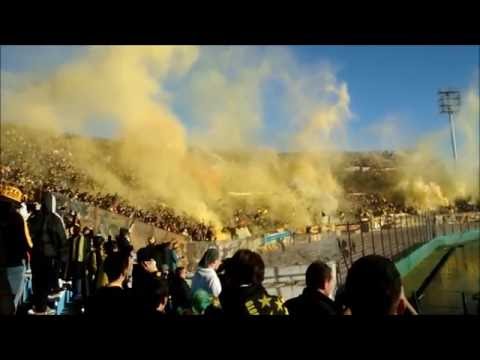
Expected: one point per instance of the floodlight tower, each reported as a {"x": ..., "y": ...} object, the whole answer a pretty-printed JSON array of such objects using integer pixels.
[{"x": 449, "y": 101}]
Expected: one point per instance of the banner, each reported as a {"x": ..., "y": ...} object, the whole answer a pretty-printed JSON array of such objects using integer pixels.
[{"x": 269, "y": 238}]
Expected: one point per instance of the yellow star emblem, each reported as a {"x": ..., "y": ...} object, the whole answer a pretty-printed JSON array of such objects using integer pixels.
[
  {"x": 264, "y": 301},
  {"x": 279, "y": 303}
]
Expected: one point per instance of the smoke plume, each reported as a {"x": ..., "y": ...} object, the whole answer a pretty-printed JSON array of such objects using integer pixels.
[{"x": 198, "y": 165}]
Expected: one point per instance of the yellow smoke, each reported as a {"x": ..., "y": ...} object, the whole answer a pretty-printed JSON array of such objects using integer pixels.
[
  {"x": 194, "y": 172},
  {"x": 429, "y": 176}
]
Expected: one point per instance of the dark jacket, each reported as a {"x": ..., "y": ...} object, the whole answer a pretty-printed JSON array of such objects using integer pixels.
[
  {"x": 48, "y": 231},
  {"x": 311, "y": 303},
  {"x": 109, "y": 301},
  {"x": 181, "y": 293},
  {"x": 160, "y": 254},
  {"x": 13, "y": 237},
  {"x": 250, "y": 300}
]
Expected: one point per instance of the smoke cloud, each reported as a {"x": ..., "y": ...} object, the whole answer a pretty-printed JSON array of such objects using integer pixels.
[
  {"x": 200, "y": 164},
  {"x": 430, "y": 178}
]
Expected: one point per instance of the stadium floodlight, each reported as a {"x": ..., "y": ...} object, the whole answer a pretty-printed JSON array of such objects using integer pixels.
[{"x": 449, "y": 101}]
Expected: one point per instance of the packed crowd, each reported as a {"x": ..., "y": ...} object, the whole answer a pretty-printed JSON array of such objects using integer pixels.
[
  {"x": 109, "y": 278},
  {"x": 34, "y": 168}
]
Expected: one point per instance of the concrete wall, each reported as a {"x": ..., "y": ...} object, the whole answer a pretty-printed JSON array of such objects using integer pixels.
[{"x": 289, "y": 281}]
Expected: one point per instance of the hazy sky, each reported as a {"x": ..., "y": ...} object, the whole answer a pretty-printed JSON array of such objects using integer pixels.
[{"x": 393, "y": 84}]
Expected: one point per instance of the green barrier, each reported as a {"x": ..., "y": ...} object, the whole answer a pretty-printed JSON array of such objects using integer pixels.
[{"x": 408, "y": 263}]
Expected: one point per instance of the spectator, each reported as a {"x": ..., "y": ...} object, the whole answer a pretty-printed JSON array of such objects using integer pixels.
[
  {"x": 201, "y": 301},
  {"x": 101, "y": 278},
  {"x": 180, "y": 291},
  {"x": 14, "y": 243},
  {"x": 157, "y": 302},
  {"x": 113, "y": 299},
  {"x": 374, "y": 287},
  {"x": 79, "y": 246},
  {"x": 316, "y": 297},
  {"x": 169, "y": 257},
  {"x": 151, "y": 243},
  {"x": 110, "y": 246},
  {"x": 145, "y": 272},
  {"x": 159, "y": 253},
  {"x": 127, "y": 251},
  {"x": 173, "y": 256},
  {"x": 94, "y": 261},
  {"x": 244, "y": 293},
  {"x": 206, "y": 277},
  {"x": 123, "y": 238},
  {"x": 50, "y": 247},
  {"x": 165, "y": 272}
]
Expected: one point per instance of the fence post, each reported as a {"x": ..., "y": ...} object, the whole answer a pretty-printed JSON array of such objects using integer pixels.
[
  {"x": 402, "y": 232},
  {"x": 417, "y": 229},
  {"x": 427, "y": 232},
  {"x": 349, "y": 243},
  {"x": 372, "y": 236},
  {"x": 390, "y": 242},
  {"x": 381, "y": 239},
  {"x": 412, "y": 231},
  {"x": 407, "y": 233},
  {"x": 363, "y": 241},
  {"x": 395, "y": 235},
  {"x": 343, "y": 254},
  {"x": 428, "y": 224},
  {"x": 411, "y": 240}
]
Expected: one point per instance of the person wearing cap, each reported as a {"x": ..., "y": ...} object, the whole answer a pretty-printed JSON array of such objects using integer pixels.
[
  {"x": 15, "y": 242},
  {"x": 206, "y": 277}
]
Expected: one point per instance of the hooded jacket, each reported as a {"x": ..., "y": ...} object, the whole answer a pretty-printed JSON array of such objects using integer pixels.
[
  {"x": 206, "y": 279},
  {"x": 48, "y": 230}
]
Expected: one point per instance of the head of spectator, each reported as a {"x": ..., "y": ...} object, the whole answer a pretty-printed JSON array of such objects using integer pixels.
[
  {"x": 201, "y": 300},
  {"x": 165, "y": 271},
  {"x": 211, "y": 259},
  {"x": 116, "y": 267},
  {"x": 98, "y": 241},
  {"x": 124, "y": 233},
  {"x": 374, "y": 287},
  {"x": 246, "y": 267},
  {"x": 75, "y": 230},
  {"x": 147, "y": 262},
  {"x": 181, "y": 272},
  {"x": 151, "y": 241},
  {"x": 174, "y": 246},
  {"x": 319, "y": 278},
  {"x": 87, "y": 231},
  {"x": 110, "y": 246}
]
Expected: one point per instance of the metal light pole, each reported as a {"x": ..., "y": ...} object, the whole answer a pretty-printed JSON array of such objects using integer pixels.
[{"x": 449, "y": 101}]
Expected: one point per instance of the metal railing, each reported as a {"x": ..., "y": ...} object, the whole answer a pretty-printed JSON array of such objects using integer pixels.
[{"x": 395, "y": 240}]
